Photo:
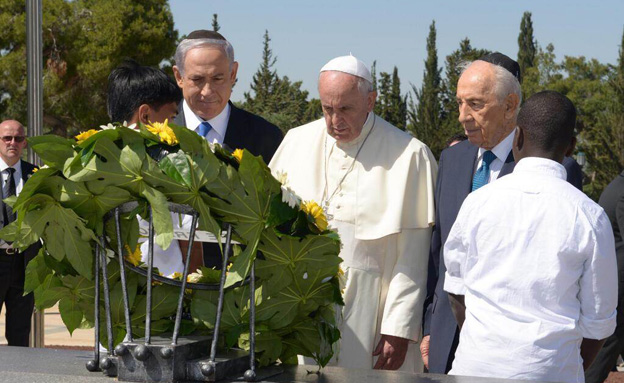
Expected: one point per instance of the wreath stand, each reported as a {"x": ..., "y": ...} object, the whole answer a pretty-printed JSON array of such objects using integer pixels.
[{"x": 170, "y": 358}]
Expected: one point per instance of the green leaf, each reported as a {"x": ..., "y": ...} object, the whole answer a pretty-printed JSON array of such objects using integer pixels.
[
  {"x": 163, "y": 226},
  {"x": 47, "y": 294},
  {"x": 53, "y": 150},
  {"x": 36, "y": 272},
  {"x": 268, "y": 346},
  {"x": 43, "y": 181},
  {"x": 117, "y": 301},
  {"x": 284, "y": 255},
  {"x": 70, "y": 313},
  {"x": 164, "y": 304},
  {"x": 242, "y": 263},
  {"x": 204, "y": 307},
  {"x": 176, "y": 166}
]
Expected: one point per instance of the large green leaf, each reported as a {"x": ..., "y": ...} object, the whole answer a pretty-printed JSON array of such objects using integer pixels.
[
  {"x": 50, "y": 292},
  {"x": 204, "y": 307},
  {"x": 164, "y": 304},
  {"x": 268, "y": 346},
  {"x": 52, "y": 150},
  {"x": 283, "y": 255},
  {"x": 163, "y": 226},
  {"x": 71, "y": 314},
  {"x": 36, "y": 272}
]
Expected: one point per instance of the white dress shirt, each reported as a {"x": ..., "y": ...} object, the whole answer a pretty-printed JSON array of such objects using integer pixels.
[
  {"x": 501, "y": 151},
  {"x": 535, "y": 259},
  {"x": 218, "y": 123}
]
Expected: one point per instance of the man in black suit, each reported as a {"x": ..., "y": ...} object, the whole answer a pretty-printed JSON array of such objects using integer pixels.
[
  {"x": 206, "y": 71},
  {"x": 489, "y": 97},
  {"x": 14, "y": 173},
  {"x": 612, "y": 201}
]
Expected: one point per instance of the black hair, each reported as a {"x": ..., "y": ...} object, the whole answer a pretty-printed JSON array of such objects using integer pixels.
[
  {"x": 456, "y": 137},
  {"x": 548, "y": 119},
  {"x": 131, "y": 85}
]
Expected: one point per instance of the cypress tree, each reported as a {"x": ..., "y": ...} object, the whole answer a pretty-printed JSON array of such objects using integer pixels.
[
  {"x": 425, "y": 116},
  {"x": 215, "y": 23},
  {"x": 526, "y": 44},
  {"x": 264, "y": 81}
]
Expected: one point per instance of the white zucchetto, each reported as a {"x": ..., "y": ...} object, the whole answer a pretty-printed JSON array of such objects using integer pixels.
[{"x": 349, "y": 64}]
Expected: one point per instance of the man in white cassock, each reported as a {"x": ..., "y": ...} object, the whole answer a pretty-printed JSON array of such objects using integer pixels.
[{"x": 376, "y": 185}]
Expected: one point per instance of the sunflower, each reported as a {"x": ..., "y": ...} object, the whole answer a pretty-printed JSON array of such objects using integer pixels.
[
  {"x": 134, "y": 257},
  {"x": 163, "y": 131},
  {"x": 238, "y": 154},
  {"x": 84, "y": 135},
  {"x": 312, "y": 209}
]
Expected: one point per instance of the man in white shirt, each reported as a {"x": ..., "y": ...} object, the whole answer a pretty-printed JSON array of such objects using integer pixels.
[
  {"x": 488, "y": 98},
  {"x": 376, "y": 184},
  {"x": 531, "y": 267},
  {"x": 14, "y": 173}
]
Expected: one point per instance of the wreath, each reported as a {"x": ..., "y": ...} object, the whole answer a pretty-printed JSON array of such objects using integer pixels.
[{"x": 63, "y": 205}]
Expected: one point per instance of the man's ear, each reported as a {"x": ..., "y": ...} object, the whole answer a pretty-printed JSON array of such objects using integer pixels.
[
  {"x": 518, "y": 142},
  {"x": 512, "y": 103},
  {"x": 370, "y": 101},
  {"x": 178, "y": 76},
  {"x": 143, "y": 114},
  {"x": 571, "y": 148},
  {"x": 234, "y": 71}
]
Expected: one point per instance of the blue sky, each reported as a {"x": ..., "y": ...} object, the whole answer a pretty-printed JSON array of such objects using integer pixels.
[{"x": 306, "y": 34}]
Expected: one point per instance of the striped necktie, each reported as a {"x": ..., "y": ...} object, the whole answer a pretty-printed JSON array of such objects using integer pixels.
[
  {"x": 483, "y": 173},
  {"x": 9, "y": 190}
]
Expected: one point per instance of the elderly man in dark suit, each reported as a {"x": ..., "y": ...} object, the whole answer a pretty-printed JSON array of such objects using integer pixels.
[
  {"x": 489, "y": 97},
  {"x": 14, "y": 173},
  {"x": 206, "y": 71},
  {"x": 612, "y": 201}
]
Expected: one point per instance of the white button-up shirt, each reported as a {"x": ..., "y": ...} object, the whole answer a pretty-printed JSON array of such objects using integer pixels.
[
  {"x": 218, "y": 123},
  {"x": 535, "y": 259}
]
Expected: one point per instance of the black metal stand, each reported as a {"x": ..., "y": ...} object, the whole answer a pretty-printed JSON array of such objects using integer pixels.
[{"x": 180, "y": 358}]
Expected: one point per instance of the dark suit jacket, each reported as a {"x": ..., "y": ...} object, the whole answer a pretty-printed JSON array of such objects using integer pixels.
[
  {"x": 612, "y": 201},
  {"x": 244, "y": 131},
  {"x": 31, "y": 252},
  {"x": 454, "y": 183}
]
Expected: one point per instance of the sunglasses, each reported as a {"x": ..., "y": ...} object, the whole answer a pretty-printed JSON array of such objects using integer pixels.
[{"x": 8, "y": 139}]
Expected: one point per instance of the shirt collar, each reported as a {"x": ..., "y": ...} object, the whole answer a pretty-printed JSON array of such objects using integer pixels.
[
  {"x": 501, "y": 151},
  {"x": 542, "y": 166},
  {"x": 368, "y": 125},
  {"x": 218, "y": 123},
  {"x": 17, "y": 166}
]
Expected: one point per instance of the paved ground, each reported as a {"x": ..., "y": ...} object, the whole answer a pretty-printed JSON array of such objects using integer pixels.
[
  {"x": 57, "y": 336},
  {"x": 55, "y": 332}
]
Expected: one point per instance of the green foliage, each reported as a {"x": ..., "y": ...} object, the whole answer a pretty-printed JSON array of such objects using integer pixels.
[
  {"x": 526, "y": 44},
  {"x": 83, "y": 41},
  {"x": 391, "y": 105},
  {"x": 64, "y": 205},
  {"x": 215, "y": 22},
  {"x": 276, "y": 98},
  {"x": 425, "y": 116}
]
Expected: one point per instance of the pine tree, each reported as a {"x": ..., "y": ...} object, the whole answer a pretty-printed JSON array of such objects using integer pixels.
[
  {"x": 398, "y": 103},
  {"x": 264, "y": 82},
  {"x": 526, "y": 44},
  {"x": 215, "y": 23},
  {"x": 425, "y": 116}
]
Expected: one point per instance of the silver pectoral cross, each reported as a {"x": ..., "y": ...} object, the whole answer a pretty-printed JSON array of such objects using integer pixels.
[{"x": 326, "y": 210}]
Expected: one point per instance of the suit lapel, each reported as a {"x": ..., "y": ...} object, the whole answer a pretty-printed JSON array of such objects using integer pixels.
[
  {"x": 179, "y": 119},
  {"x": 508, "y": 166},
  {"x": 234, "y": 137},
  {"x": 465, "y": 169}
]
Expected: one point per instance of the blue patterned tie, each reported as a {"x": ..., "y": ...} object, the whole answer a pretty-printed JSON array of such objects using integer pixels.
[
  {"x": 483, "y": 173},
  {"x": 204, "y": 128}
]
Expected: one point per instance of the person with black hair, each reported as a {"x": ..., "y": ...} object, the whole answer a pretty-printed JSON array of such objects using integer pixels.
[
  {"x": 456, "y": 139},
  {"x": 530, "y": 260},
  {"x": 138, "y": 93}
]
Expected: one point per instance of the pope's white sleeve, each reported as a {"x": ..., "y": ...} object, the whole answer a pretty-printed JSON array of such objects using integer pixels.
[{"x": 402, "y": 315}]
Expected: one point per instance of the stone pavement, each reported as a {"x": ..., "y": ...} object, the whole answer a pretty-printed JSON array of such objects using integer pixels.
[{"x": 55, "y": 332}]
